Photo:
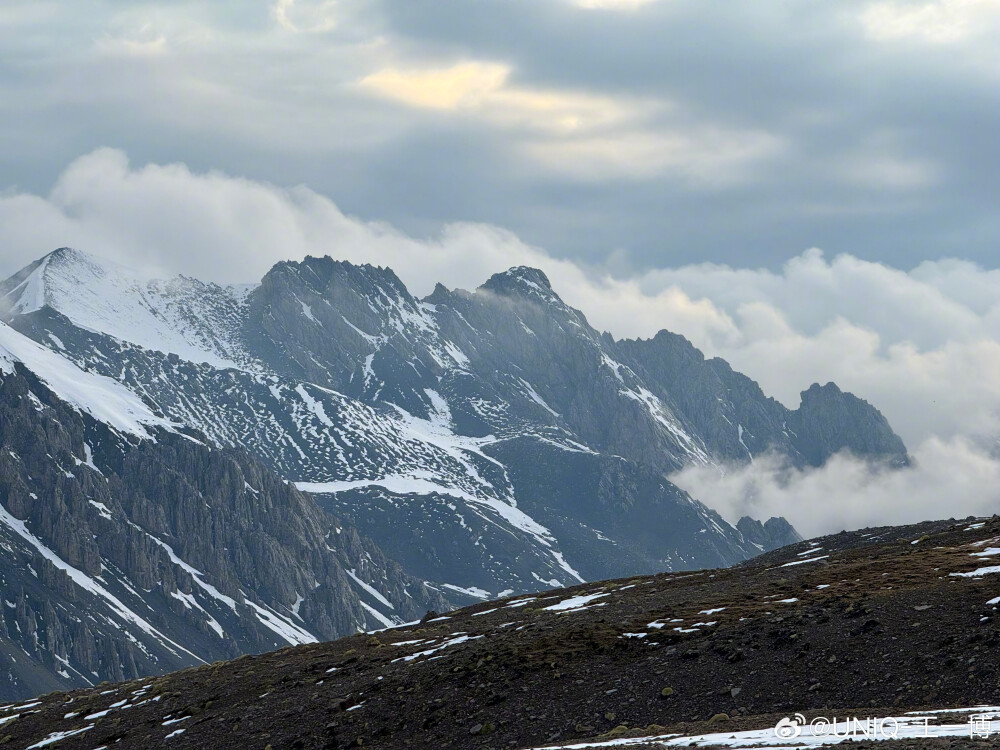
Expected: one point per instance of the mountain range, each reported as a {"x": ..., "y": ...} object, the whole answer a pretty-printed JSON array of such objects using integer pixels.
[{"x": 191, "y": 471}]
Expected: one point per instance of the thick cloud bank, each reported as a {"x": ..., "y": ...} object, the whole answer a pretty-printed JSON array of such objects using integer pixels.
[{"x": 921, "y": 344}]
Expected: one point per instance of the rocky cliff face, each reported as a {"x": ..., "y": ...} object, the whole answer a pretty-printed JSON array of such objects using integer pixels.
[
  {"x": 738, "y": 421},
  {"x": 491, "y": 439},
  {"x": 126, "y": 552},
  {"x": 830, "y": 421},
  {"x": 773, "y": 534}
]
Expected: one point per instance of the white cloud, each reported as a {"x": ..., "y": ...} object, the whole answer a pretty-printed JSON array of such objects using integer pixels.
[
  {"x": 925, "y": 306},
  {"x": 919, "y": 344},
  {"x": 948, "y": 479},
  {"x": 914, "y": 343},
  {"x": 705, "y": 155},
  {"x": 143, "y": 41},
  {"x": 937, "y": 21},
  {"x": 310, "y": 16},
  {"x": 483, "y": 89},
  {"x": 586, "y": 136},
  {"x": 170, "y": 220},
  {"x": 462, "y": 85}
]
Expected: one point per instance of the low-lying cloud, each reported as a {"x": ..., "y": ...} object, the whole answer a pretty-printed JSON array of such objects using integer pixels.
[
  {"x": 947, "y": 479},
  {"x": 922, "y": 344}
]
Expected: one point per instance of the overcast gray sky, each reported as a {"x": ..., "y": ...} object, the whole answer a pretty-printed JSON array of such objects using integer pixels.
[
  {"x": 807, "y": 189},
  {"x": 633, "y": 133}
]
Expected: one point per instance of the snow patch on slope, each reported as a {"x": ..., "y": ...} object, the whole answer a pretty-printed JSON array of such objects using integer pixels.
[
  {"x": 372, "y": 591},
  {"x": 437, "y": 431},
  {"x": 104, "y": 399},
  {"x": 284, "y": 627},
  {"x": 30, "y": 293},
  {"x": 910, "y": 726},
  {"x": 177, "y": 316}
]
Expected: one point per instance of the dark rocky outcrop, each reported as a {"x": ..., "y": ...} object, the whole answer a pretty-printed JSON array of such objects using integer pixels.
[
  {"x": 830, "y": 421},
  {"x": 773, "y": 534}
]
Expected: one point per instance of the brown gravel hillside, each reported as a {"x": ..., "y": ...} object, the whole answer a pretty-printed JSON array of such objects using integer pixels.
[{"x": 878, "y": 620}]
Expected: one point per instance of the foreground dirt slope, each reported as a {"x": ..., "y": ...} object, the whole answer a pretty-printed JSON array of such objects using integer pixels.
[{"x": 878, "y": 620}]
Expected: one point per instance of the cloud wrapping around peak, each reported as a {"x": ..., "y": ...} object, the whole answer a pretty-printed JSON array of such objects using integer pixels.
[
  {"x": 920, "y": 344},
  {"x": 167, "y": 219},
  {"x": 631, "y": 139}
]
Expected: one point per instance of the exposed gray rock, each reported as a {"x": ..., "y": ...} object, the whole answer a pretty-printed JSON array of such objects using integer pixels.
[
  {"x": 122, "y": 557},
  {"x": 770, "y": 535},
  {"x": 830, "y": 421},
  {"x": 490, "y": 440}
]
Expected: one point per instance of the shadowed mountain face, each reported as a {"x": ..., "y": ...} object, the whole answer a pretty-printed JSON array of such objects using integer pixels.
[
  {"x": 716, "y": 397},
  {"x": 128, "y": 547},
  {"x": 491, "y": 440}
]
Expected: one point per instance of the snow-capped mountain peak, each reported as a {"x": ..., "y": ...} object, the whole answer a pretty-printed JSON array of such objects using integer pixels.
[
  {"x": 524, "y": 279},
  {"x": 182, "y": 316}
]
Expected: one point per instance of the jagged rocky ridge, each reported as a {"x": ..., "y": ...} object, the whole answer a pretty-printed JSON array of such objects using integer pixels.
[
  {"x": 131, "y": 547},
  {"x": 493, "y": 440}
]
